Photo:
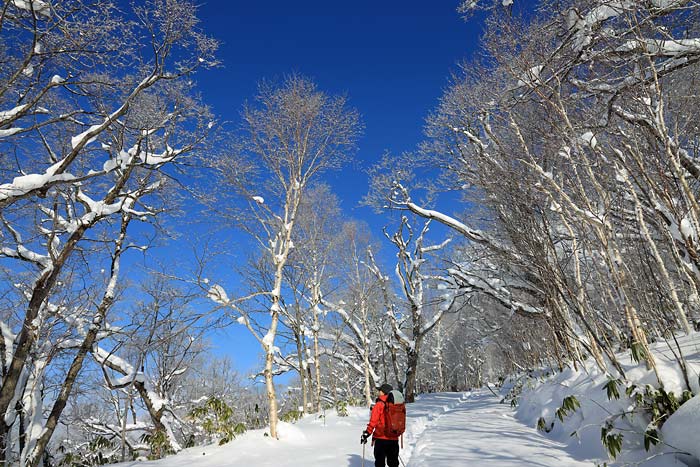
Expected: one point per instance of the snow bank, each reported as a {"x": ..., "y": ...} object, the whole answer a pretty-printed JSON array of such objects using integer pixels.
[
  {"x": 543, "y": 396},
  {"x": 681, "y": 432}
]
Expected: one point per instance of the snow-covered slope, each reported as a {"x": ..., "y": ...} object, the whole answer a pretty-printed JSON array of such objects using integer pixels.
[{"x": 581, "y": 430}]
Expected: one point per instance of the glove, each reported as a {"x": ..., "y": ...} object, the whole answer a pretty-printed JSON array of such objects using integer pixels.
[{"x": 363, "y": 438}]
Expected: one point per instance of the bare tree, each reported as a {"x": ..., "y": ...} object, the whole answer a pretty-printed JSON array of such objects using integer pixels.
[
  {"x": 414, "y": 282},
  {"x": 291, "y": 134},
  {"x": 563, "y": 138},
  {"x": 153, "y": 354},
  {"x": 94, "y": 119},
  {"x": 318, "y": 244},
  {"x": 357, "y": 302}
]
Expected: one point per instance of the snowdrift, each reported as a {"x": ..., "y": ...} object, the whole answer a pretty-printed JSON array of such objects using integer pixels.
[{"x": 574, "y": 407}]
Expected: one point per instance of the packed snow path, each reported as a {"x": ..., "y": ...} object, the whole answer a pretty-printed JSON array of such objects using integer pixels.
[
  {"x": 483, "y": 432},
  {"x": 443, "y": 430}
]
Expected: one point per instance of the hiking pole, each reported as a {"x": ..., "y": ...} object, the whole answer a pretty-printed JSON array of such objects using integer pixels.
[
  {"x": 363, "y": 454},
  {"x": 404, "y": 465}
]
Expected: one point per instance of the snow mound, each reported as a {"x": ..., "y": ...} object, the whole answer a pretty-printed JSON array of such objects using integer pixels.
[
  {"x": 680, "y": 430},
  {"x": 291, "y": 434}
]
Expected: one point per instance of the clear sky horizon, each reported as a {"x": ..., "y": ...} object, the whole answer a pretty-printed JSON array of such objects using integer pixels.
[{"x": 393, "y": 59}]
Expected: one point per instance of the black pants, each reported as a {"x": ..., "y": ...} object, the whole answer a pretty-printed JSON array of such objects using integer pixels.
[{"x": 386, "y": 449}]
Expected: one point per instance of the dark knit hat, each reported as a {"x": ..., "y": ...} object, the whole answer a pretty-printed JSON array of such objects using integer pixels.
[{"x": 385, "y": 388}]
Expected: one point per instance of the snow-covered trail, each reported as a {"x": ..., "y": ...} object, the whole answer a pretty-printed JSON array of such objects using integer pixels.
[
  {"x": 442, "y": 430},
  {"x": 483, "y": 432}
]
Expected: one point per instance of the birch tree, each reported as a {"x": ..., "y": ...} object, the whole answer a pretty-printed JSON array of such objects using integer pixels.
[
  {"x": 291, "y": 134},
  {"x": 318, "y": 248}
]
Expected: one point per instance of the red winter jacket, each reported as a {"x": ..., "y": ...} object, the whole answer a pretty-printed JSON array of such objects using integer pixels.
[{"x": 375, "y": 427}]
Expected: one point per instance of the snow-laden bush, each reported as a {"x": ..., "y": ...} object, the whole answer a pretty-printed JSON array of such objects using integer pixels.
[
  {"x": 292, "y": 416},
  {"x": 216, "y": 419},
  {"x": 98, "y": 451}
]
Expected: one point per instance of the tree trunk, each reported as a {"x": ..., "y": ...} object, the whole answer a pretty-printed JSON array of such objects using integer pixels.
[
  {"x": 123, "y": 427},
  {"x": 366, "y": 349},
  {"x": 368, "y": 388},
  {"x": 411, "y": 374},
  {"x": 302, "y": 372},
  {"x": 317, "y": 350},
  {"x": 395, "y": 366},
  {"x": 440, "y": 360},
  {"x": 269, "y": 360},
  {"x": 156, "y": 416}
]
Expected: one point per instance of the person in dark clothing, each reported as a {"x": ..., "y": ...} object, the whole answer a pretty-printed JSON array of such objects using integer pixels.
[{"x": 386, "y": 447}]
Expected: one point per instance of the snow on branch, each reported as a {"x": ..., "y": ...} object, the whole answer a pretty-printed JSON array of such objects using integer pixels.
[
  {"x": 7, "y": 116},
  {"x": 24, "y": 184},
  {"x": 37, "y": 7},
  {"x": 79, "y": 141},
  {"x": 495, "y": 289},
  {"x": 97, "y": 209},
  {"x": 8, "y": 343},
  {"x": 339, "y": 310},
  {"x": 583, "y": 25},
  {"x": 118, "y": 364},
  {"x": 401, "y": 199},
  {"x": 57, "y": 173},
  {"x": 282, "y": 365},
  {"x": 345, "y": 339},
  {"x": 217, "y": 294},
  {"x": 471, "y": 234},
  {"x": 357, "y": 367},
  {"x": 405, "y": 341},
  {"x": 661, "y": 47},
  {"x": 440, "y": 246},
  {"x": 101, "y": 428},
  {"x": 23, "y": 253}
]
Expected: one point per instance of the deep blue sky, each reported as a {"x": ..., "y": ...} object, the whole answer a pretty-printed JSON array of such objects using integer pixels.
[{"x": 392, "y": 58}]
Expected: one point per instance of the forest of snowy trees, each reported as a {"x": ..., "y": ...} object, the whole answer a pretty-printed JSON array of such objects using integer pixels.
[{"x": 550, "y": 217}]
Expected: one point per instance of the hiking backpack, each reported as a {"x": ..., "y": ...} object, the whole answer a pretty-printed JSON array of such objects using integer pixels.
[{"x": 395, "y": 414}]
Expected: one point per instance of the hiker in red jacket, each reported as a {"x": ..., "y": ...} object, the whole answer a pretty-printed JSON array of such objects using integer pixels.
[{"x": 385, "y": 445}]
